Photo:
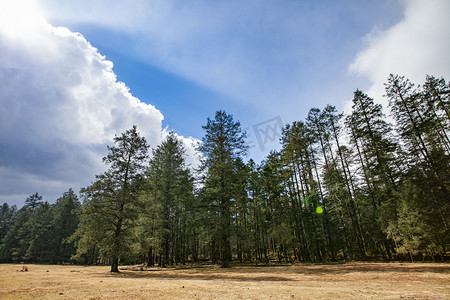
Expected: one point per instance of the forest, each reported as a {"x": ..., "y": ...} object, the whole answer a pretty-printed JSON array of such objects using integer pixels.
[{"x": 341, "y": 188}]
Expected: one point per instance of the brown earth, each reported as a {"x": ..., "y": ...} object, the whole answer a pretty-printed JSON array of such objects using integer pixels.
[{"x": 302, "y": 281}]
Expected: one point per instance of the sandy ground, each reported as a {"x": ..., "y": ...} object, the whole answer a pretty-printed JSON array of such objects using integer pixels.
[{"x": 331, "y": 281}]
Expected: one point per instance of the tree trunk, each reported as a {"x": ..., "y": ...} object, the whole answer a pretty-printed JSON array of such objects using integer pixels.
[
  {"x": 115, "y": 264},
  {"x": 226, "y": 252}
]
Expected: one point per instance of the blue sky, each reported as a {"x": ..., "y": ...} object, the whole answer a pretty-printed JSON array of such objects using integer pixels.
[
  {"x": 177, "y": 62},
  {"x": 260, "y": 59}
]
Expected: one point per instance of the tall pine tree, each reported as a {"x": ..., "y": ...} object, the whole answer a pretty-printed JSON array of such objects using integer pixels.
[
  {"x": 110, "y": 203},
  {"x": 224, "y": 142}
]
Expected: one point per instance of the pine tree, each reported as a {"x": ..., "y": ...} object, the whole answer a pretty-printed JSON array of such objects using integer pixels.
[
  {"x": 436, "y": 102},
  {"x": 371, "y": 135},
  {"x": 170, "y": 197},
  {"x": 421, "y": 116},
  {"x": 241, "y": 212},
  {"x": 299, "y": 155},
  {"x": 342, "y": 174},
  {"x": 34, "y": 201},
  {"x": 15, "y": 243},
  {"x": 6, "y": 217},
  {"x": 223, "y": 143},
  {"x": 110, "y": 203},
  {"x": 424, "y": 139},
  {"x": 281, "y": 232},
  {"x": 40, "y": 237},
  {"x": 65, "y": 221},
  {"x": 259, "y": 213}
]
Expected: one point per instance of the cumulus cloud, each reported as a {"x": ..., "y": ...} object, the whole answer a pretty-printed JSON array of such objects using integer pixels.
[
  {"x": 60, "y": 105},
  {"x": 416, "y": 46}
]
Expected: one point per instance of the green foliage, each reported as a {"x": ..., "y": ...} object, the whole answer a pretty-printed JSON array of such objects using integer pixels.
[
  {"x": 33, "y": 201},
  {"x": 168, "y": 203},
  {"x": 422, "y": 122},
  {"x": 42, "y": 234},
  {"x": 6, "y": 218},
  {"x": 16, "y": 241},
  {"x": 66, "y": 215},
  {"x": 340, "y": 188},
  {"x": 110, "y": 204},
  {"x": 223, "y": 144}
]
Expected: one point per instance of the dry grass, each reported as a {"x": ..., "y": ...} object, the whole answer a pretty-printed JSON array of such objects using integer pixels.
[{"x": 332, "y": 281}]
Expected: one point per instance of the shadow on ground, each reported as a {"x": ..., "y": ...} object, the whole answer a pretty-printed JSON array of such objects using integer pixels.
[
  {"x": 163, "y": 274},
  {"x": 279, "y": 273}
]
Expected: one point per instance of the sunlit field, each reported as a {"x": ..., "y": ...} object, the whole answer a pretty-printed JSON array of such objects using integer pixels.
[{"x": 303, "y": 281}]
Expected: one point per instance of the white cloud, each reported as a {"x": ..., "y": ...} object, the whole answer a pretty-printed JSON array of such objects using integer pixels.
[
  {"x": 416, "y": 46},
  {"x": 60, "y": 105}
]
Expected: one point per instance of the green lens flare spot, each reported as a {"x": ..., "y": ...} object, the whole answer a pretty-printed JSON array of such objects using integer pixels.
[{"x": 319, "y": 209}]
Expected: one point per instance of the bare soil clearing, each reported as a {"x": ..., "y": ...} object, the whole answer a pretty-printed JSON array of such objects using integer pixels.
[{"x": 303, "y": 281}]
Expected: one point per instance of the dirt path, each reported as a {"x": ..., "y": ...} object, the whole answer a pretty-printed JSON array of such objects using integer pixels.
[{"x": 335, "y": 281}]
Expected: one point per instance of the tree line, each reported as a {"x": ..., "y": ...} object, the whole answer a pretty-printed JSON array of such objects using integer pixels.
[{"x": 351, "y": 187}]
